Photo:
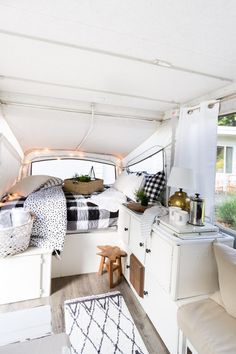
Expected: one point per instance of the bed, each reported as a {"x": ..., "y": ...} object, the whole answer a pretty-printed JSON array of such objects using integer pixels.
[
  {"x": 85, "y": 221},
  {"x": 82, "y": 214},
  {"x": 59, "y": 212}
]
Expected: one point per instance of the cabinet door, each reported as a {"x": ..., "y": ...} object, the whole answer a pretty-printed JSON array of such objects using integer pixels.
[
  {"x": 162, "y": 311},
  {"x": 126, "y": 265},
  {"x": 197, "y": 270},
  {"x": 159, "y": 255},
  {"x": 137, "y": 275},
  {"x": 20, "y": 278},
  {"x": 124, "y": 225},
  {"x": 137, "y": 243}
]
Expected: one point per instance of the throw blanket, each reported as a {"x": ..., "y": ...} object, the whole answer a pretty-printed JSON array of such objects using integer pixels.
[
  {"x": 49, "y": 228},
  {"x": 49, "y": 207},
  {"x": 111, "y": 199},
  {"x": 148, "y": 218}
]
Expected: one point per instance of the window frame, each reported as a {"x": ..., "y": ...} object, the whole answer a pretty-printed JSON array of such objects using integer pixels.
[
  {"x": 222, "y": 229},
  {"x": 80, "y": 159},
  {"x": 225, "y": 148}
]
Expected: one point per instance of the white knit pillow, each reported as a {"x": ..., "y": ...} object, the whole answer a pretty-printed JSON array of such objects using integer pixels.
[
  {"x": 226, "y": 264},
  {"x": 129, "y": 184}
]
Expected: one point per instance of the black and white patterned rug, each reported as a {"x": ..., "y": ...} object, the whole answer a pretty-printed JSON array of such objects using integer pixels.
[{"x": 102, "y": 324}]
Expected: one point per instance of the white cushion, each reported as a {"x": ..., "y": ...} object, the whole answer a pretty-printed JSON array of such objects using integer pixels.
[
  {"x": 129, "y": 184},
  {"x": 120, "y": 182},
  {"x": 28, "y": 185},
  {"x": 217, "y": 298},
  {"x": 226, "y": 264},
  {"x": 209, "y": 328}
]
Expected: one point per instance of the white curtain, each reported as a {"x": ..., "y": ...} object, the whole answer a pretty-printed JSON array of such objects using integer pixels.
[{"x": 196, "y": 141}]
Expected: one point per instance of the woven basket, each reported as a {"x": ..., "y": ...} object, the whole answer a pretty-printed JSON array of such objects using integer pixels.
[
  {"x": 15, "y": 239},
  {"x": 138, "y": 207},
  {"x": 73, "y": 186}
]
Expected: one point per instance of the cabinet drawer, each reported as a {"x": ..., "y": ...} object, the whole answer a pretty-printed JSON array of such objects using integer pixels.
[{"x": 136, "y": 243}]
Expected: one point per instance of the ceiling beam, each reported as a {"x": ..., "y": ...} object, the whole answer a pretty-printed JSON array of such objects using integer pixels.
[
  {"x": 157, "y": 62},
  {"x": 7, "y": 102},
  {"x": 75, "y": 87}
]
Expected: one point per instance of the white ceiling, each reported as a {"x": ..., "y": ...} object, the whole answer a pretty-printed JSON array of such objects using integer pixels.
[
  {"x": 38, "y": 129},
  {"x": 72, "y": 53}
]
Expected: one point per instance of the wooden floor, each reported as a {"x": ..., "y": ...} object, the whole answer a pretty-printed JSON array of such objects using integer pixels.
[{"x": 88, "y": 284}]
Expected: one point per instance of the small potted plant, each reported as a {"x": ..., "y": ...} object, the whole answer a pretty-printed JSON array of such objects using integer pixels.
[
  {"x": 81, "y": 178},
  {"x": 142, "y": 197}
]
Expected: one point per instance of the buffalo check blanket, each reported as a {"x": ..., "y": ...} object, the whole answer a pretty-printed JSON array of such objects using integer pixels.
[
  {"x": 56, "y": 211},
  {"x": 82, "y": 214}
]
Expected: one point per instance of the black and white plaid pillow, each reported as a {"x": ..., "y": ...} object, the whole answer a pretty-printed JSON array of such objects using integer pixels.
[{"x": 154, "y": 185}]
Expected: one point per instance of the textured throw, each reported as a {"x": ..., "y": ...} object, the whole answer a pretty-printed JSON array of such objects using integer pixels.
[
  {"x": 148, "y": 218},
  {"x": 49, "y": 207},
  {"x": 49, "y": 228},
  {"x": 102, "y": 324}
]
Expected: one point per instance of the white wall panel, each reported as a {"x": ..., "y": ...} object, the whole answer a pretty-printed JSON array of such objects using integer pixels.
[{"x": 10, "y": 163}]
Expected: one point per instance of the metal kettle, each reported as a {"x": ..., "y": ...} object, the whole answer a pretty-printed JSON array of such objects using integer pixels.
[{"x": 197, "y": 210}]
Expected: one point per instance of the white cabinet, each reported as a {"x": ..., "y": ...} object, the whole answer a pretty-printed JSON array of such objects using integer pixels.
[
  {"x": 136, "y": 243},
  {"x": 25, "y": 276},
  {"x": 184, "y": 267},
  {"x": 162, "y": 311},
  {"x": 179, "y": 267},
  {"x": 159, "y": 260},
  {"x": 124, "y": 225}
]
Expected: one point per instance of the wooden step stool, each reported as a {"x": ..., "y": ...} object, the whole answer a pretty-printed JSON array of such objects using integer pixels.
[{"x": 111, "y": 259}]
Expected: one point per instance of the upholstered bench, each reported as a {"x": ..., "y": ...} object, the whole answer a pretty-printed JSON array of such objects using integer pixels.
[{"x": 209, "y": 326}]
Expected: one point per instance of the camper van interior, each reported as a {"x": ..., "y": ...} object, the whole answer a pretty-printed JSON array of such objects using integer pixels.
[{"x": 117, "y": 177}]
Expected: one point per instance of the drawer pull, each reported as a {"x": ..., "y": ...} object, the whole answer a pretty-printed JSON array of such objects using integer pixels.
[
  {"x": 126, "y": 229},
  {"x": 141, "y": 244},
  {"x": 145, "y": 292},
  {"x": 148, "y": 250},
  {"x": 128, "y": 266}
]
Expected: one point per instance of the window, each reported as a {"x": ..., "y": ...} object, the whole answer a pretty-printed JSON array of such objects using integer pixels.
[
  {"x": 150, "y": 165},
  {"x": 224, "y": 159},
  {"x": 66, "y": 168},
  {"x": 225, "y": 187}
]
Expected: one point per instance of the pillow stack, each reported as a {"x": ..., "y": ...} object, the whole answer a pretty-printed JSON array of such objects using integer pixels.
[{"x": 152, "y": 184}]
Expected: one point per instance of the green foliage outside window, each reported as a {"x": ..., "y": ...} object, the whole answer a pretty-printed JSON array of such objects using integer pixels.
[
  {"x": 227, "y": 120},
  {"x": 220, "y": 159},
  {"x": 226, "y": 213}
]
